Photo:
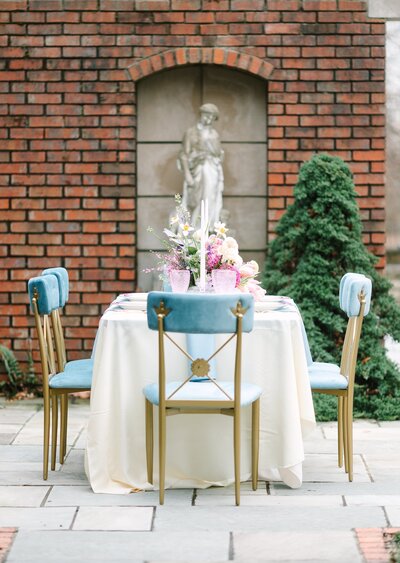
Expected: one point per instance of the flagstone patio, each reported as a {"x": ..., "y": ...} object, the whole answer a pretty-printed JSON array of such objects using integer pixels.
[{"x": 62, "y": 520}]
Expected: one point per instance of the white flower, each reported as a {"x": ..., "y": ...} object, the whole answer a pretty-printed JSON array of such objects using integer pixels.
[
  {"x": 170, "y": 234},
  {"x": 197, "y": 235},
  {"x": 253, "y": 264},
  {"x": 229, "y": 250},
  {"x": 220, "y": 229},
  {"x": 186, "y": 228},
  {"x": 173, "y": 220},
  {"x": 238, "y": 261}
]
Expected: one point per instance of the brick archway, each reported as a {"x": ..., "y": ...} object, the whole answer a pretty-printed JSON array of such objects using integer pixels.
[{"x": 199, "y": 55}]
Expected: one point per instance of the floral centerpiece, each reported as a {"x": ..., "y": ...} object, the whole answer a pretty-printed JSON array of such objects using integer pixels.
[{"x": 182, "y": 247}]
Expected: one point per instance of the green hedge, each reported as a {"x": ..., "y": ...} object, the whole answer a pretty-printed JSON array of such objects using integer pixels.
[{"x": 319, "y": 239}]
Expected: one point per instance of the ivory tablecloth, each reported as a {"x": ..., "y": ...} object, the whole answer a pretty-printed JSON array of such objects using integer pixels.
[{"x": 199, "y": 447}]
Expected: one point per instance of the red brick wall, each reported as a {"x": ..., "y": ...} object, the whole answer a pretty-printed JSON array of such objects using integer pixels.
[{"x": 67, "y": 134}]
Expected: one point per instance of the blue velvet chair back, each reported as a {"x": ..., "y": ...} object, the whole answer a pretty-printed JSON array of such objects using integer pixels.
[
  {"x": 63, "y": 282},
  {"x": 349, "y": 291},
  {"x": 47, "y": 288},
  {"x": 344, "y": 281},
  {"x": 197, "y": 313}
]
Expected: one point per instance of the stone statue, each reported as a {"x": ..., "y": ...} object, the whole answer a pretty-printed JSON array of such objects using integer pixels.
[{"x": 200, "y": 161}]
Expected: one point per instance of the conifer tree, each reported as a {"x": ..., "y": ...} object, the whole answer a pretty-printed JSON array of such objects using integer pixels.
[{"x": 319, "y": 239}]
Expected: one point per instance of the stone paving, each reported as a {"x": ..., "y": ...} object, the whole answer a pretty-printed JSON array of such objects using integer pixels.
[{"x": 62, "y": 520}]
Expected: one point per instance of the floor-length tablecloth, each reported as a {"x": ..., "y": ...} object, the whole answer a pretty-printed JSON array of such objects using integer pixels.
[{"x": 199, "y": 447}]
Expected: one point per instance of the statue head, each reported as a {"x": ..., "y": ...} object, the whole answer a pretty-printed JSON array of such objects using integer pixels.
[{"x": 210, "y": 109}]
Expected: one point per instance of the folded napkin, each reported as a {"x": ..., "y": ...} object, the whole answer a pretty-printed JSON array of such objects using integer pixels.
[
  {"x": 131, "y": 297},
  {"x": 129, "y": 302},
  {"x": 275, "y": 303}
]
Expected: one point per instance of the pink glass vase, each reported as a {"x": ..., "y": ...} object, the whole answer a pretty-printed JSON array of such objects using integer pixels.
[
  {"x": 179, "y": 280},
  {"x": 224, "y": 281}
]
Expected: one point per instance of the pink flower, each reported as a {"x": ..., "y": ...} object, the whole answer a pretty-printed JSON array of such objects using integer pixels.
[
  {"x": 246, "y": 271},
  {"x": 255, "y": 289},
  {"x": 213, "y": 261}
]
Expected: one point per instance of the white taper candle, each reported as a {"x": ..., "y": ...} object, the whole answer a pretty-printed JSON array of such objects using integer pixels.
[
  {"x": 202, "y": 249},
  {"x": 206, "y": 219}
]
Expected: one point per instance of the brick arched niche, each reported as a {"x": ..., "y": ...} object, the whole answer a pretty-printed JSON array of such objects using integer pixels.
[{"x": 167, "y": 104}]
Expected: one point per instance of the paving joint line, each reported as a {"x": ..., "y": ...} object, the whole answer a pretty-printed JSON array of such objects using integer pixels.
[
  {"x": 367, "y": 468},
  {"x": 153, "y": 519},
  {"x": 386, "y": 516},
  {"x": 46, "y": 496},
  {"x": 23, "y": 426},
  {"x": 231, "y": 549},
  {"x": 74, "y": 518}
]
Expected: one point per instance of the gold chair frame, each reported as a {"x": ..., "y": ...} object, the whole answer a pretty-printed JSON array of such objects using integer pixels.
[
  {"x": 50, "y": 337},
  {"x": 230, "y": 407},
  {"x": 346, "y": 396}
]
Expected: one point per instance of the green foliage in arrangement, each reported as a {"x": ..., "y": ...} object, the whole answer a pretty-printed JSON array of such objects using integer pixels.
[
  {"x": 396, "y": 549},
  {"x": 19, "y": 383},
  {"x": 319, "y": 239}
]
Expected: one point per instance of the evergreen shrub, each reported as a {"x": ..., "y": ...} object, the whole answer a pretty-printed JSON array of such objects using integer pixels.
[{"x": 318, "y": 240}]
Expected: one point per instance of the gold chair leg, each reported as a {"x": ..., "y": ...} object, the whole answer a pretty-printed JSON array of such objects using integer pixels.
[
  {"x": 54, "y": 424},
  {"x": 345, "y": 436},
  {"x": 63, "y": 426},
  {"x": 349, "y": 407},
  {"x": 340, "y": 431},
  {"x": 236, "y": 453},
  {"x": 161, "y": 452},
  {"x": 149, "y": 441},
  {"x": 255, "y": 441},
  {"x": 46, "y": 435}
]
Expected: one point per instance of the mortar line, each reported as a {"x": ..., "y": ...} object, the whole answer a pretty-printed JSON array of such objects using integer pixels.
[{"x": 358, "y": 545}]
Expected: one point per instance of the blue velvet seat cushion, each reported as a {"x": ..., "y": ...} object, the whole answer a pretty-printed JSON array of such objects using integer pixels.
[
  {"x": 322, "y": 366},
  {"x": 203, "y": 391},
  {"x": 72, "y": 380},
  {"x": 80, "y": 365},
  {"x": 326, "y": 376}
]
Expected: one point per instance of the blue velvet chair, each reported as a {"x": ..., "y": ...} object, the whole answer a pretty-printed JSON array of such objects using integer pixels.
[
  {"x": 355, "y": 299},
  {"x": 63, "y": 287},
  {"x": 44, "y": 299},
  {"x": 85, "y": 364},
  {"x": 199, "y": 392}
]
